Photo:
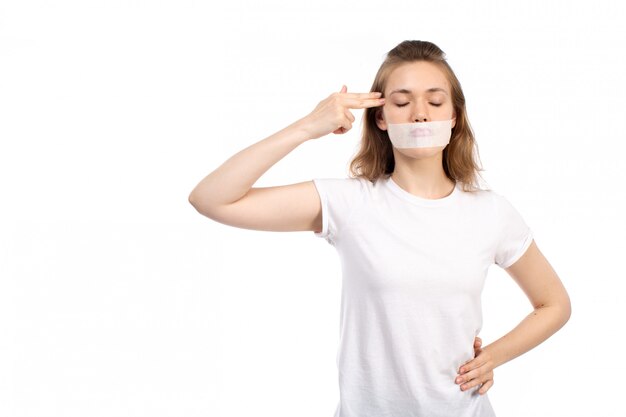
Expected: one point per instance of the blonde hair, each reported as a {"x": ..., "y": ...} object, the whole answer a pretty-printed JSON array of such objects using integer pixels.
[{"x": 460, "y": 157}]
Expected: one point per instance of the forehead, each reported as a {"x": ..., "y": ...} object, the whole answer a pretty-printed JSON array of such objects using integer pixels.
[{"x": 417, "y": 77}]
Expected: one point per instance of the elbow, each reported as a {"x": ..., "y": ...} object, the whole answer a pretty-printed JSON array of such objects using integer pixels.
[
  {"x": 561, "y": 309},
  {"x": 197, "y": 203},
  {"x": 565, "y": 309},
  {"x": 198, "y": 200},
  {"x": 192, "y": 199},
  {"x": 202, "y": 206},
  {"x": 565, "y": 306}
]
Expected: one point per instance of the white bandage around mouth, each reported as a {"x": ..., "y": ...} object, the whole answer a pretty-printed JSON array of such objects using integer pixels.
[{"x": 421, "y": 134}]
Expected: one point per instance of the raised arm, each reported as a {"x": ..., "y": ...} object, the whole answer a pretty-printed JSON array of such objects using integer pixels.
[{"x": 226, "y": 194}]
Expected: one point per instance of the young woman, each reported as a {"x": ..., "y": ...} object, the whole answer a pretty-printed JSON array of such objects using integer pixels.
[{"x": 415, "y": 234}]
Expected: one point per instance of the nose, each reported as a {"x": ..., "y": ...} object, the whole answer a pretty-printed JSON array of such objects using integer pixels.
[{"x": 418, "y": 114}]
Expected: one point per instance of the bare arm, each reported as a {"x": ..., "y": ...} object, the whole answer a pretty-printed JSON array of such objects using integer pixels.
[
  {"x": 552, "y": 308},
  {"x": 234, "y": 178},
  {"x": 226, "y": 196}
]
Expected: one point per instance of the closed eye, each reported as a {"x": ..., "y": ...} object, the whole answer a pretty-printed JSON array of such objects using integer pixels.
[{"x": 434, "y": 104}]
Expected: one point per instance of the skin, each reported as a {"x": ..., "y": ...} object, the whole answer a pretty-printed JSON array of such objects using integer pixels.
[
  {"x": 420, "y": 172},
  {"x": 226, "y": 195}
]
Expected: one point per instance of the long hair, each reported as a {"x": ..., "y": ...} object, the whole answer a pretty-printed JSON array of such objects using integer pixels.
[{"x": 460, "y": 157}]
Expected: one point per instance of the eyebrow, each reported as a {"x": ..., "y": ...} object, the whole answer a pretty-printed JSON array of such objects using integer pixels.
[{"x": 430, "y": 90}]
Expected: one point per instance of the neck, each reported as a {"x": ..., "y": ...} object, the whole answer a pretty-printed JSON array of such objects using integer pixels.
[{"x": 423, "y": 177}]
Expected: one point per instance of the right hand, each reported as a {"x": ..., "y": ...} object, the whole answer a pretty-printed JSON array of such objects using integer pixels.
[{"x": 333, "y": 115}]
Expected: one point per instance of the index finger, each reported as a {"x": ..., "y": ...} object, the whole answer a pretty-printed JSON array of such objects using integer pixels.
[
  {"x": 360, "y": 103},
  {"x": 373, "y": 94}
]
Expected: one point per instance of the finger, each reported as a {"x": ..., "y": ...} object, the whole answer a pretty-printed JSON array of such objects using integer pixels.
[
  {"x": 485, "y": 387},
  {"x": 469, "y": 365},
  {"x": 472, "y": 379},
  {"x": 349, "y": 115},
  {"x": 354, "y": 103},
  {"x": 343, "y": 128},
  {"x": 343, "y": 89},
  {"x": 466, "y": 376},
  {"x": 373, "y": 94},
  {"x": 471, "y": 384}
]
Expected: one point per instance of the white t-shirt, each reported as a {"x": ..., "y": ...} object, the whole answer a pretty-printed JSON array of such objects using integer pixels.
[{"x": 413, "y": 271}]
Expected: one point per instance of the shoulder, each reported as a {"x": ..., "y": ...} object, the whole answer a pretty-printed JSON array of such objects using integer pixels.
[
  {"x": 501, "y": 202},
  {"x": 506, "y": 213},
  {"x": 346, "y": 187},
  {"x": 340, "y": 198},
  {"x": 490, "y": 203},
  {"x": 490, "y": 195},
  {"x": 485, "y": 197},
  {"x": 347, "y": 182}
]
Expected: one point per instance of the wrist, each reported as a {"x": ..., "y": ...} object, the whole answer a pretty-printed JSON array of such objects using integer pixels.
[
  {"x": 301, "y": 129},
  {"x": 493, "y": 353}
]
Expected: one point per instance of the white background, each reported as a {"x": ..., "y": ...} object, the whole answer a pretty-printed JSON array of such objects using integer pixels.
[{"x": 117, "y": 298}]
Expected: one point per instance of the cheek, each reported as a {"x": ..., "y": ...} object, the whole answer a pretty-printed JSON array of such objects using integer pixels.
[{"x": 392, "y": 112}]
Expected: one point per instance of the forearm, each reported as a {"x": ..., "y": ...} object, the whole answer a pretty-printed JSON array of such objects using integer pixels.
[
  {"x": 535, "y": 328},
  {"x": 234, "y": 178}
]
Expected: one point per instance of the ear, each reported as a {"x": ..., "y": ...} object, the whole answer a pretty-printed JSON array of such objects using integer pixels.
[
  {"x": 380, "y": 119},
  {"x": 453, "y": 120}
]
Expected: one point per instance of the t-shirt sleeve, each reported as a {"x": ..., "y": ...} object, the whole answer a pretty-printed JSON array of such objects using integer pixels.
[
  {"x": 514, "y": 236},
  {"x": 339, "y": 197}
]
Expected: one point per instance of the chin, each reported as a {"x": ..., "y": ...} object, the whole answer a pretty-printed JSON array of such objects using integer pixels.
[{"x": 421, "y": 153}]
